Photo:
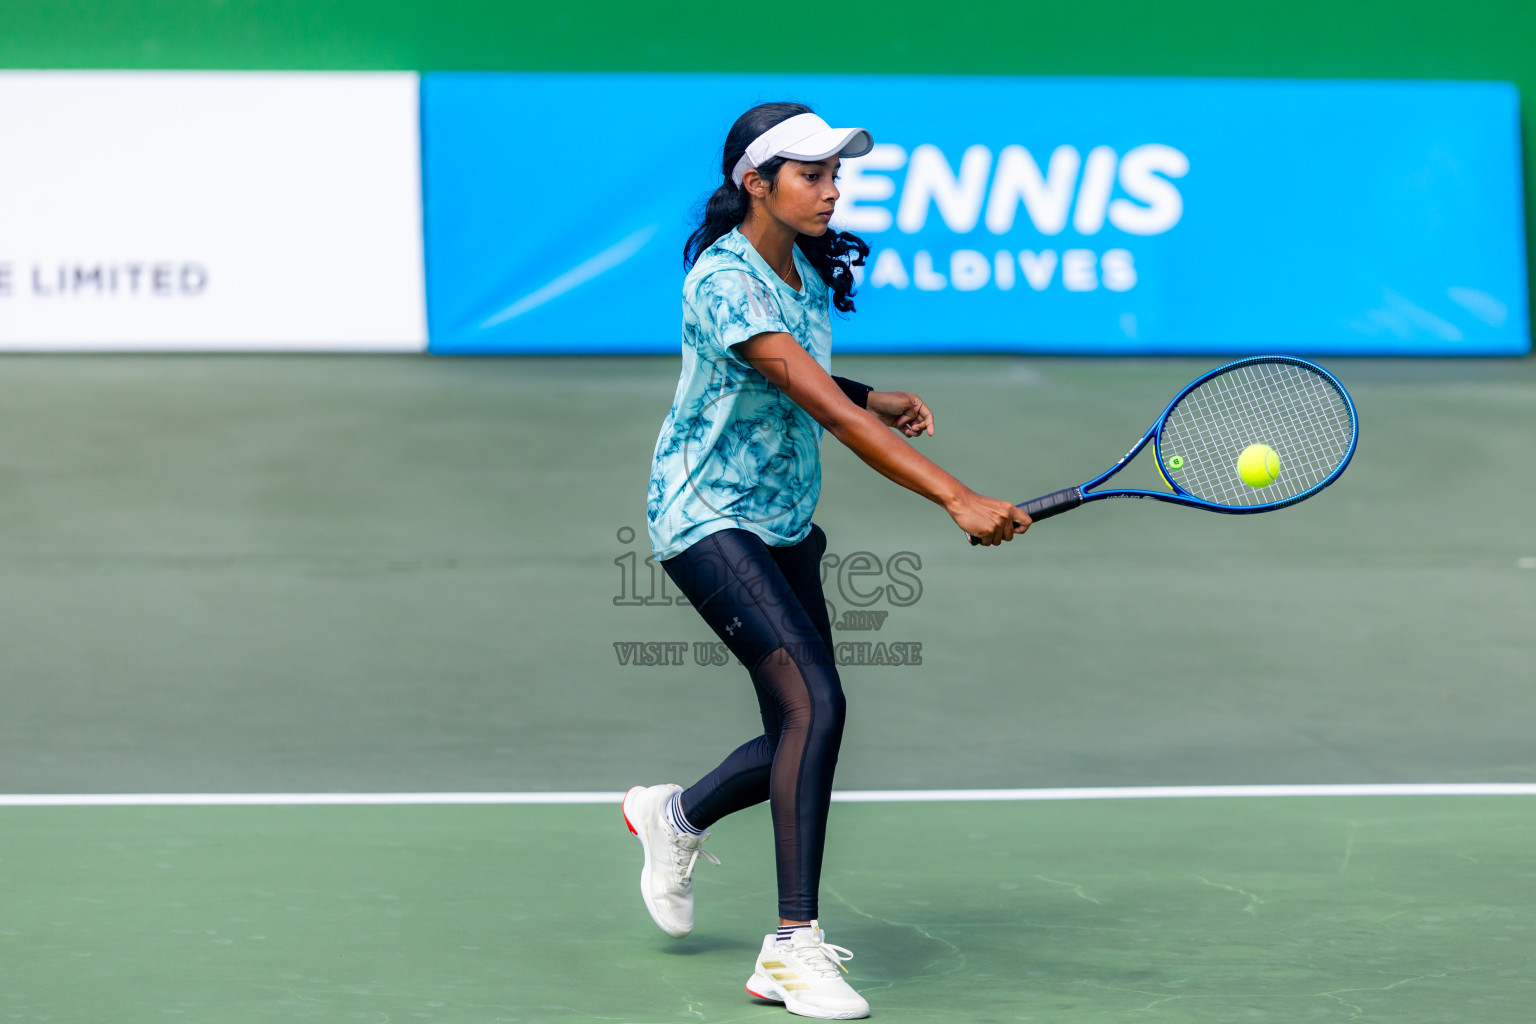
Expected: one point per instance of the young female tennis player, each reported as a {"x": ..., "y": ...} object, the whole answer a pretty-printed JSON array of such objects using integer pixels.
[{"x": 736, "y": 476}]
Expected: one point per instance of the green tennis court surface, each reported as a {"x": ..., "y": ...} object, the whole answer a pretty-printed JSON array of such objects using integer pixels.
[
  {"x": 381, "y": 575},
  {"x": 1397, "y": 909}
]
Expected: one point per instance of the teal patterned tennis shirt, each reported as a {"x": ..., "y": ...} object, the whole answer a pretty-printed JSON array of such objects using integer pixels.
[{"x": 735, "y": 451}]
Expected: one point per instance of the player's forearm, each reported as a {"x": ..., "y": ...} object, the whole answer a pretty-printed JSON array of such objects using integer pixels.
[{"x": 895, "y": 459}]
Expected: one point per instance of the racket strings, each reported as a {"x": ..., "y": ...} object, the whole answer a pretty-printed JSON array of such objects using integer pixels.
[{"x": 1292, "y": 409}]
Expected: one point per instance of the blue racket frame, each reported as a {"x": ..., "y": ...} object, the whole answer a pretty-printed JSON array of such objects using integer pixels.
[{"x": 1062, "y": 501}]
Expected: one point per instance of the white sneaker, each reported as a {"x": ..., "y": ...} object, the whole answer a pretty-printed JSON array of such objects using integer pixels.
[
  {"x": 805, "y": 973},
  {"x": 666, "y": 880}
]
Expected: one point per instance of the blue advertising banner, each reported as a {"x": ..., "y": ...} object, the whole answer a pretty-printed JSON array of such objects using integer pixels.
[{"x": 1105, "y": 216}]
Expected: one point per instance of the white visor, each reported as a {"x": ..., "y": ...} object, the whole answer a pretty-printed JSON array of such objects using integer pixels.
[{"x": 802, "y": 137}]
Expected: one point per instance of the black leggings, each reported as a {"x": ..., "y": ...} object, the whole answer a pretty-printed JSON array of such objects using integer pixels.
[{"x": 766, "y": 604}]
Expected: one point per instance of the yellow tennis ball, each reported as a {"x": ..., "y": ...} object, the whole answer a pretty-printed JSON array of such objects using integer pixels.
[{"x": 1259, "y": 466}]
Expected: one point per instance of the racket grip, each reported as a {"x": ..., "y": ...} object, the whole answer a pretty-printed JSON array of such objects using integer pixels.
[
  {"x": 1053, "y": 504},
  {"x": 1050, "y": 505}
]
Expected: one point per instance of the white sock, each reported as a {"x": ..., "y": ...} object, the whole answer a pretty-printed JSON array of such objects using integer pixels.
[
  {"x": 787, "y": 931},
  {"x": 675, "y": 817}
]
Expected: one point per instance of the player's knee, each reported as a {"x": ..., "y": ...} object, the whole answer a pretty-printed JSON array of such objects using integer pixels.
[{"x": 829, "y": 708}]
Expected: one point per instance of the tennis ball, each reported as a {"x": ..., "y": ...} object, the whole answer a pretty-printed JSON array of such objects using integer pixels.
[{"x": 1259, "y": 466}]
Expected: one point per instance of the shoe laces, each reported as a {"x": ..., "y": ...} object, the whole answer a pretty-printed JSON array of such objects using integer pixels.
[
  {"x": 821, "y": 956},
  {"x": 685, "y": 854}
]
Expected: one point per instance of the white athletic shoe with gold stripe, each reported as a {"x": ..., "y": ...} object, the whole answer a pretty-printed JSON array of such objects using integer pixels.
[{"x": 805, "y": 973}]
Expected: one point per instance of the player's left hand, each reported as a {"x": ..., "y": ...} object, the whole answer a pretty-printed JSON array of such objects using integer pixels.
[{"x": 903, "y": 411}]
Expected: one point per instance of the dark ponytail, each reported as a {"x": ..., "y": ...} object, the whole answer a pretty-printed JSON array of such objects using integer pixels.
[{"x": 833, "y": 254}]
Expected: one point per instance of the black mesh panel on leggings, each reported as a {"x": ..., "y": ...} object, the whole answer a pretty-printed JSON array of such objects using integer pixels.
[{"x": 766, "y": 604}]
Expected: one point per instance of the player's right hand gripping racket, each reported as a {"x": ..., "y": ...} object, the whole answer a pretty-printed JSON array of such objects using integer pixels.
[{"x": 1297, "y": 408}]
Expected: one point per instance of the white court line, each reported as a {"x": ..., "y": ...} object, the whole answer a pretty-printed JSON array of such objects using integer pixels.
[{"x": 868, "y": 796}]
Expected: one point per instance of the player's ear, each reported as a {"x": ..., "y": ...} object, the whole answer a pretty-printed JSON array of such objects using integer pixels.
[{"x": 754, "y": 184}]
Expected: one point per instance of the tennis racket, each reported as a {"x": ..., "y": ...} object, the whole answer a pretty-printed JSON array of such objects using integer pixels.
[{"x": 1297, "y": 408}]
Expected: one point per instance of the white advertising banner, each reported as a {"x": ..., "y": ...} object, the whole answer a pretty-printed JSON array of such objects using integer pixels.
[{"x": 195, "y": 211}]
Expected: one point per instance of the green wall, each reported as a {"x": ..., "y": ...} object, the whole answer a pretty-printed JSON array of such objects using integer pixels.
[
  {"x": 1313, "y": 38},
  {"x": 1481, "y": 39}
]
